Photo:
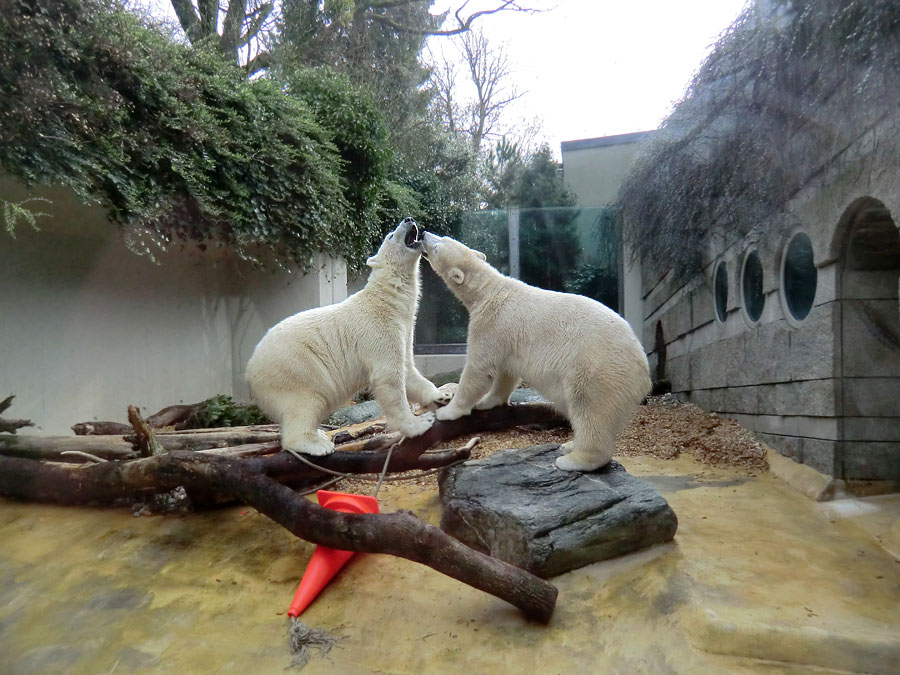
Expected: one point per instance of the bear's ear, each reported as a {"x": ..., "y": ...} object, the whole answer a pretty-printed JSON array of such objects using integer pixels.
[
  {"x": 479, "y": 254},
  {"x": 373, "y": 262},
  {"x": 456, "y": 275}
]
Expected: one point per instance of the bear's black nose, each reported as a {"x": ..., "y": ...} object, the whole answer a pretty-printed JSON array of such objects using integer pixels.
[{"x": 408, "y": 220}]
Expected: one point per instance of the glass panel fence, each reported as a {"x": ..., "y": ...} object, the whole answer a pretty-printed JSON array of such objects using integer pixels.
[{"x": 574, "y": 250}]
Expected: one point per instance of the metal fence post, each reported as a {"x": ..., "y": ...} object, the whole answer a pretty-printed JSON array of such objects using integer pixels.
[{"x": 513, "y": 225}]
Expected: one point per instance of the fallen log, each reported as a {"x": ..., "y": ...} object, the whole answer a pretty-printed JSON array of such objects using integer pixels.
[
  {"x": 9, "y": 425},
  {"x": 360, "y": 456},
  {"x": 256, "y": 428},
  {"x": 101, "y": 429},
  {"x": 172, "y": 415},
  {"x": 201, "y": 439},
  {"x": 169, "y": 416},
  {"x": 246, "y": 450},
  {"x": 357, "y": 431},
  {"x": 50, "y": 448},
  {"x": 400, "y": 534}
]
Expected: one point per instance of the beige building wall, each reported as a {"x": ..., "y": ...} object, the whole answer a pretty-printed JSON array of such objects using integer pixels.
[
  {"x": 87, "y": 327},
  {"x": 594, "y": 169}
]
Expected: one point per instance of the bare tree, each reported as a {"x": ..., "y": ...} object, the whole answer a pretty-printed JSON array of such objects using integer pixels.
[{"x": 474, "y": 88}]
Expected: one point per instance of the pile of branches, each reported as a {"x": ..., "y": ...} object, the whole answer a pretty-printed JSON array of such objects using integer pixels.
[
  {"x": 246, "y": 464},
  {"x": 788, "y": 89}
]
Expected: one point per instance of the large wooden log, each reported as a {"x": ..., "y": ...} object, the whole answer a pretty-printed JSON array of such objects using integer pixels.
[
  {"x": 201, "y": 439},
  {"x": 50, "y": 448},
  {"x": 400, "y": 534}
]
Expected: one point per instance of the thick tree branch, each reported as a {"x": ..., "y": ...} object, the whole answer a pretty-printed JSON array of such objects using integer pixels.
[
  {"x": 463, "y": 23},
  {"x": 400, "y": 534}
]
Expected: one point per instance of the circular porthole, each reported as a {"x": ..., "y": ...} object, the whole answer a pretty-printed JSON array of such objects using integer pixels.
[
  {"x": 752, "y": 287},
  {"x": 720, "y": 289},
  {"x": 798, "y": 277}
]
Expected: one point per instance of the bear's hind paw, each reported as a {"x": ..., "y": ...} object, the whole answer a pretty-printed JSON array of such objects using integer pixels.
[
  {"x": 575, "y": 462},
  {"x": 317, "y": 446},
  {"x": 418, "y": 425}
]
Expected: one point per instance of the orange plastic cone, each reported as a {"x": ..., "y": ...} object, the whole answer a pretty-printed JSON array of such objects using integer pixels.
[{"x": 325, "y": 561}]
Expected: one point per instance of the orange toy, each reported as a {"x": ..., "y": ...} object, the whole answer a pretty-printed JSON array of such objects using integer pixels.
[{"x": 325, "y": 561}]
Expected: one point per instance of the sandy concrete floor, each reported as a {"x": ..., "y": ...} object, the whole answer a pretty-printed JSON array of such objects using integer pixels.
[{"x": 758, "y": 579}]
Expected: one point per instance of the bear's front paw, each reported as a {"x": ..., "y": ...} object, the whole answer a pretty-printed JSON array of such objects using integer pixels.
[
  {"x": 439, "y": 400},
  {"x": 439, "y": 397},
  {"x": 417, "y": 425},
  {"x": 448, "y": 413}
]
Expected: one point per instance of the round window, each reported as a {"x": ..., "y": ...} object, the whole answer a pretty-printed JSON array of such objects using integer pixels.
[
  {"x": 721, "y": 291},
  {"x": 752, "y": 285},
  {"x": 799, "y": 276}
]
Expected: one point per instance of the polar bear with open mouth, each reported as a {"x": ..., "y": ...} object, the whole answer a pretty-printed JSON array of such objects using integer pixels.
[
  {"x": 578, "y": 353},
  {"x": 309, "y": 364}
]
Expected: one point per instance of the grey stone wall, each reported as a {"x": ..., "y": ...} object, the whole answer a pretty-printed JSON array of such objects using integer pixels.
[{"x": 824, "y": 391}]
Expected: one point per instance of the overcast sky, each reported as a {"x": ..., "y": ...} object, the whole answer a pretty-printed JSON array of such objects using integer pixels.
[
  {"x": 597, "y": 67},
  {"x": 602, "y": 67}
]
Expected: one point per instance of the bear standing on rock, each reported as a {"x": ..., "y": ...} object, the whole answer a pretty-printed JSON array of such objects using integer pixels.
[
  {"x": 312, "y": 362},
  {"x": 578, "y": 353}
]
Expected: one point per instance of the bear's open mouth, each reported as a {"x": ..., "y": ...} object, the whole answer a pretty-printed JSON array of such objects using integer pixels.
[{"x": 412, "y": 236}]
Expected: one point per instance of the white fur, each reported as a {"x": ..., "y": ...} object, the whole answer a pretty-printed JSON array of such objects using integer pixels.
[
  {"x": 312, "y": 362},
  {"x": 578, "y": 353}
]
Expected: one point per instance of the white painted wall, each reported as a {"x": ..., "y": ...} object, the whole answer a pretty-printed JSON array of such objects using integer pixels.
[{"x": 87, "y": 327}]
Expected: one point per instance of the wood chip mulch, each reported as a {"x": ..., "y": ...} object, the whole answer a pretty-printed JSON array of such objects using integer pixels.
[{"x": 663, "y": 428}]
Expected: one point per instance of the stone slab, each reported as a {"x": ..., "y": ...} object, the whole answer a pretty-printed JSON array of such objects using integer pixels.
[
  {"x": 518, "y": 507},
  {"x": 355, "y": 414}
]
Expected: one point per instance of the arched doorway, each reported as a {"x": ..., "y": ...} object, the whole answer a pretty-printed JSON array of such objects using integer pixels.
[{"x": 870, "y": 342}]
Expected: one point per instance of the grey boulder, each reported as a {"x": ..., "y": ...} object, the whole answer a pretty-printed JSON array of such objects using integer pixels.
[{"x": 517, "y": 506}]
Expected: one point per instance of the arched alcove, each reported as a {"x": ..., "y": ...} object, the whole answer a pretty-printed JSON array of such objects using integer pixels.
[
  {"x": 868, "y": 243},
  {"x": 660, "y": 349}
]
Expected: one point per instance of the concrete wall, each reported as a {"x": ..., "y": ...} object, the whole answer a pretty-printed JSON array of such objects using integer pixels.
[
  {"x": 824, "y": 391},
  {"x": 87, "y": 327}
]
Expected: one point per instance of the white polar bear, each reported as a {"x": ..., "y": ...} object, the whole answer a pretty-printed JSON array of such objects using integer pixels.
[
  {"x": 312, "y": 362},
  {"x": 578, "y": 353}
]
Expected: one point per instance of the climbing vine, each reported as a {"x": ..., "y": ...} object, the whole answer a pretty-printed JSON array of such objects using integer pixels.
[
  {"x": 174, "y": 142},
  {"x": 786, "y": 96}
]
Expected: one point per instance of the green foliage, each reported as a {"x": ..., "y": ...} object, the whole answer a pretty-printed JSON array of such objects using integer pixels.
[
  {"x": 13, "y": 212},
  {"x": 787, "y": 91},
  {"x": 375, "y": 43},
  {"x": 358, "y": 131},
  {"x": 222, "y": 411},
  {"x": 548, "y": 241},
  {"x": 174, "y": 141},
  {"x": 594, "y": 281}
]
